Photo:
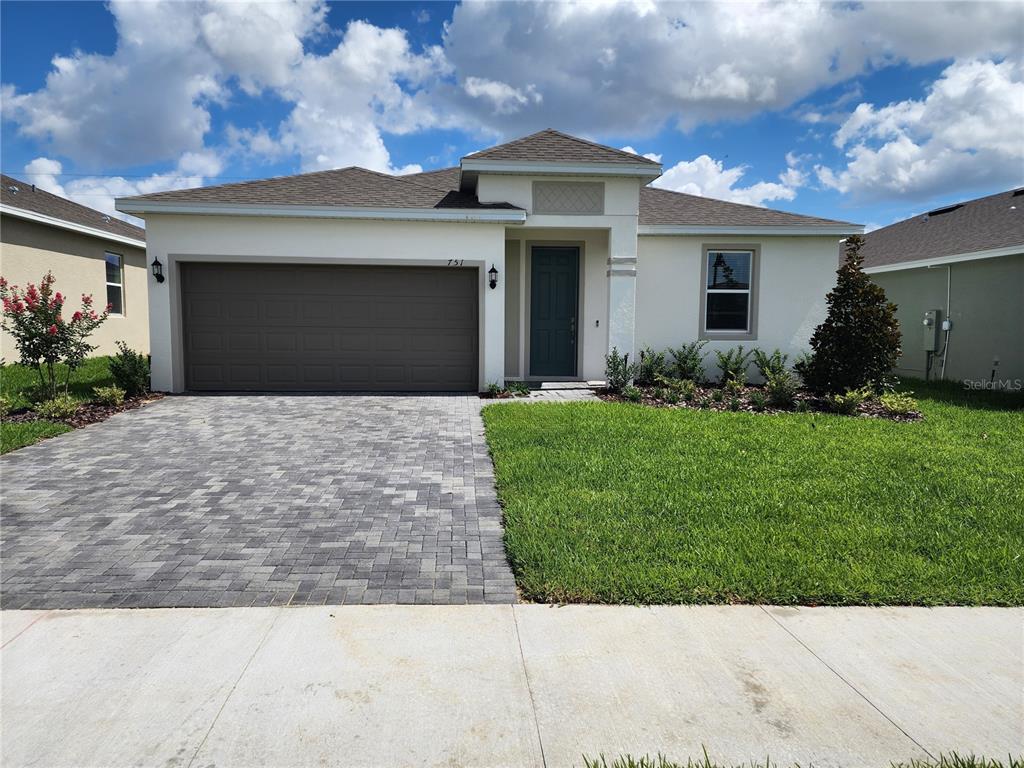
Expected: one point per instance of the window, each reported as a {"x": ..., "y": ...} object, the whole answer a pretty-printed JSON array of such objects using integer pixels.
[
  {"x": 115, "y": 283},
  {"x": 729, "y": 285}
]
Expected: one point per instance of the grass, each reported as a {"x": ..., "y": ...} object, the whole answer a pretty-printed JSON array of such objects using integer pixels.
[
  {"x": 18, "y": 381},
  {"x": 952, "y": 760},
  {"x": 18, "y": 435},
  {"x": 16, "y": 385},
  {"x": 620, "y": 503}
]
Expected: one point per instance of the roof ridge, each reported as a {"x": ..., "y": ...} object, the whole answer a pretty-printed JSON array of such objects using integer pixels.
[
  {"x": 65, "y": 201},
  {"x": 624, "y": 153},
  {"x": 633, "y": 157}
]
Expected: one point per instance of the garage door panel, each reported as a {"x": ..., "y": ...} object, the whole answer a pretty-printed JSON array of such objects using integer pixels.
[{"x": 314, "y": 327}]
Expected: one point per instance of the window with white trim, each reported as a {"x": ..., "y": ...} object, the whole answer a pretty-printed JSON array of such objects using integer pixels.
[
  {"x": 727, "y": 303},
  {"x": 115, "y": 283}
]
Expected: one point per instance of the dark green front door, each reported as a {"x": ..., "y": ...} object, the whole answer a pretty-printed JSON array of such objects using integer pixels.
[{"x": 554, "y": 296}]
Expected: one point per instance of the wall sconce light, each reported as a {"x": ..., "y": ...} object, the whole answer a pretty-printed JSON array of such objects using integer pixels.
[
  {"x": 492, "y": 273},
  {"x": 158, "y": 270}
]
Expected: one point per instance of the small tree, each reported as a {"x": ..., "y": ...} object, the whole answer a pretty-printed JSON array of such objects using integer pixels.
[
  {"x": 859, "y": 342},
  {"x": 44, "y": 338}
]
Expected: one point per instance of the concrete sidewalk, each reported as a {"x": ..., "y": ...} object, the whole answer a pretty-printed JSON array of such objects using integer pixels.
[{"x": 513, "y": 685}]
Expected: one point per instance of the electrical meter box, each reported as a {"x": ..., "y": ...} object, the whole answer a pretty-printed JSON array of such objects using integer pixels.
[{"x": 931, "y": 330}]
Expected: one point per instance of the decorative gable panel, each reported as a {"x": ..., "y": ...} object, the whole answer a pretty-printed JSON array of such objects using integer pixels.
[{"x": 568, "y": 197}]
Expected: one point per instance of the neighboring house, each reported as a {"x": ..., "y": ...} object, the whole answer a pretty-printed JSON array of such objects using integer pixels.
[
  {"x": 355, "y": 280},
  {"x": 963, "y": 263},
  {"x": 87, "y": 251}
]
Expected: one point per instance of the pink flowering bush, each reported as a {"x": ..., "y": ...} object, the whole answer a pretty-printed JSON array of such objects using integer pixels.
[{"x": 44, "y": 337}]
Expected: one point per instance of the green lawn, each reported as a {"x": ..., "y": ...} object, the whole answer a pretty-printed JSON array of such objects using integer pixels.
[
  {"x": 14, "y": 436},
  {"x": 611, "y": 502},
  {"x": 16, "y": 381}
]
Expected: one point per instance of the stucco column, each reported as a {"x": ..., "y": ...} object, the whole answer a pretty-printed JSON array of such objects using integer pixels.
[
  {"x": 492, "y": 348},
  {"x": 161, "y": 296},
  {"x": 622, "y": 263}
]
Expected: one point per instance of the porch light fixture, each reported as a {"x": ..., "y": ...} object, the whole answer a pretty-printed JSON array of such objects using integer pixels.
[
  {"x": 158, "y": 270},
  {"x": 492, "y": 273}
]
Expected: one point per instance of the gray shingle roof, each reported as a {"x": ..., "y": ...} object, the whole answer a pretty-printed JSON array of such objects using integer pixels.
[
  {"x": 996, "y": 221},
  {"x": 662, "y": 206},
  {"x": 347, "y": 187},
  {"x": 553, "y": 146},
  {"x": 19, "y": 194}
]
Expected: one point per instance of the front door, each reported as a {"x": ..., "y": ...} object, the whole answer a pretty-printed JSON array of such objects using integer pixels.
[{"x": 554, "y": 297}]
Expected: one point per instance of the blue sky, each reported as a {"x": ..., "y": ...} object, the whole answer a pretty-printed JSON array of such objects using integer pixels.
[{"x": 867, "y": 113}]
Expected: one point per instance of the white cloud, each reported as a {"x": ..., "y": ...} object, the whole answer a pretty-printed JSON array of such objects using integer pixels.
[
  {"x": 649, "y": 155},
  {"x": 99, "y": 192},
  {"x": 504, "y": 69},
  {"x": 504, "y": 99},
  {"x": 966, "y": 130},
  {"x": 344, "y": 100},
  {"x": 44, "y": 172},
  {"x": 149, "y": 101},
  {"x": 708, "y": 177},
  {"x": 632, "y": 68}
]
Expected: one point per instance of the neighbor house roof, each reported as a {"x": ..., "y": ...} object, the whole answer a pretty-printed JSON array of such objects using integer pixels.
[
  {"x": 989, "y": 223},
  {"x": 345, "y": 187},
  {"x": 551, "y": 146},
  {"x": 18, "y": 196}
]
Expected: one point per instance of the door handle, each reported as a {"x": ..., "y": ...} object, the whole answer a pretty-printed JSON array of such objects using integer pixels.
[{"x": 572, "y": 329}]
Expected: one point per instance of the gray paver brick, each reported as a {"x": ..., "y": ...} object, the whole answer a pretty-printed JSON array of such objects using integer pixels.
[{"x": 206, "y": 501}]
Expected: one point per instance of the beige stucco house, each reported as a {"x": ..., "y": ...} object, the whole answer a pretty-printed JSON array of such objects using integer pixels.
[
  {"x": 87, "y": 251},
  {"x": 956, "y": 275},
  {"x": 530, "y": 260}
]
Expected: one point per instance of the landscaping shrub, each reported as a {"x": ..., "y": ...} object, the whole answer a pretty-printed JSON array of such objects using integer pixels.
[
  {"x": 682, "y": 388},
  {"x": 898, "y": 403},
  {"x": 109, "y": 395},
  {"x": 57, "y": 408},
  {"x": 5, "y": 406},
  {"x": 735, "y": 386},
  {"x": 781, "y": 388},
  {"x": 859, "y": 341},
  {"x": 734, "y": 404},
  {"x": 43, "y": 336},
  {"x": 633, "y": 394},
  {"x": 759, "y": 400},
  {"x": 769, "y": 364},
  {"x": 518, "y": 388},
  {"x": 130, "y": 370},
  {"x": 618, "y": 371},
  {"x": 688, "y": 361},
  {"x": 733, "y": 363},
  {"x": 851, "y": 400},
  {"x": 652, "y": 365}
]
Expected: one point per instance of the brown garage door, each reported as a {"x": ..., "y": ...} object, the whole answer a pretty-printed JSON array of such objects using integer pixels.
[{"x": 304, "y": 327}]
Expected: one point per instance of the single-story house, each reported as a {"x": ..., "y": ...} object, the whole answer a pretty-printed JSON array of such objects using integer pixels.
[
  {"x": 87, "y": 251},
  {"x": 956, "y": 275},
  {"x": 531, "y": 260}
]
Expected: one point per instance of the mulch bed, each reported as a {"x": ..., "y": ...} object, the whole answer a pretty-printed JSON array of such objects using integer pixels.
[
  {"x": 89, "y": 413},
  {"x": 704, "y": 400}
]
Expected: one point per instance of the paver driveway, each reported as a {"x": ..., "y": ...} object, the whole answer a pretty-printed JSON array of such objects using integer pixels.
[{"x": 258, "y": 500}]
